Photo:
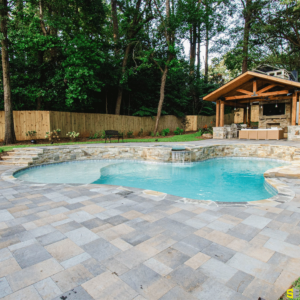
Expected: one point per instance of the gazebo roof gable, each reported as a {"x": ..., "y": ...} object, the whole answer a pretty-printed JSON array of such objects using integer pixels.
[{"x": 242, "y": 87}]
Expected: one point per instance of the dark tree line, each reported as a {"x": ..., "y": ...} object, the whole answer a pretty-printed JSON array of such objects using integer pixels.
[{"x": 129, "y": 56}]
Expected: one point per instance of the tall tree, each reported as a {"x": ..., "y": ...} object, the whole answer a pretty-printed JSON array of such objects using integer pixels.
[
  {"x": 248, "y": 15},
  {"x": 10, "y": 136},
  {"x": 168, "y": 26},
  {"x": 135, "y": 17}
]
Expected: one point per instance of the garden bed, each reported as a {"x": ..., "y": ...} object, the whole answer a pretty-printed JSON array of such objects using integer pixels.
[
  {"x": 188, "y": 137},
  {"x": 85, "y": 139}
]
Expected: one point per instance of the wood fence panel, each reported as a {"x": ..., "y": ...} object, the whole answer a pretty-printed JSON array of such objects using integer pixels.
[
  {"x": 87, "y": 124},
  {"x": 2, "y": 125},
  {"x": 25, "y": 121}
]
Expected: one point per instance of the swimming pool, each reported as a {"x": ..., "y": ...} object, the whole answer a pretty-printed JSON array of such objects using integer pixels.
[{"x": 228, "y": 179}]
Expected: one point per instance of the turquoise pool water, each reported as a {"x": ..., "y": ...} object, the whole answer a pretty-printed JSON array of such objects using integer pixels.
[{"x": 237, "y": 180}]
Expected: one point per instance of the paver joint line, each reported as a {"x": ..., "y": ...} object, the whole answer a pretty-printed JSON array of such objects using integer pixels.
[{"x": 88, "y": 242}]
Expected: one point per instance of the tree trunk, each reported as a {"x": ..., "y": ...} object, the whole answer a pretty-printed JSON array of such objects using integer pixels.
[
  {"x": 206, "y": 54},
  {"x": 162, "y": 97},
  {"x": 198, "y": 53},
  {"x": 10, "y": 137},
  {"x": 41, "y": 80},
  {"x": 115, "y": 23},
  {"x": 193, "y": 37},
  {"x": 247, "y": 28},
  {"x": 120, "y": 88}
]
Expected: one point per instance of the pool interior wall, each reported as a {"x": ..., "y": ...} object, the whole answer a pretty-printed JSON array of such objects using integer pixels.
[{"x": 226, "y": 180}]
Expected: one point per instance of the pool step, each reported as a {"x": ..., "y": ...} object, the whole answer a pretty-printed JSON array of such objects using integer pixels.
[
  {"x": 296, "y": 155},
  {"x": 21, "y": 156}
]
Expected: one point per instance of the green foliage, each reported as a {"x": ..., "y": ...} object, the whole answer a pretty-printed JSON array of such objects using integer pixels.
[
  {"x": 129, "y": 134},
  {"x": 178, "y": 131},
  {"x": 53, "y": 135},
  {"x": 151, "y": 133},
  {"x": 72, "y": 135},
  {"x": 200, "y": 132},
  {"x": 94, "y": 136},
  {"x": 141, "y": 132},
  {"x": 165, "y": 132},
  {"x": 31, "y": 133},
  {"x": 157, "y": 133}
]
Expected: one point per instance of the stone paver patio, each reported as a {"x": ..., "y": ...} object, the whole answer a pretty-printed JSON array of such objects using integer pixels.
[{"x": 105, "y": 242}]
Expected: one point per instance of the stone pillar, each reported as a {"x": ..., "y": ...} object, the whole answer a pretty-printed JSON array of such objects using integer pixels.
[
  {"x": 293, "y": 133},
  {"x": 219, "y": 133}
]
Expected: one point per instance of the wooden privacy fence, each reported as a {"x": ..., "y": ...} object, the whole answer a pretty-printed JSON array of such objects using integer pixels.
[
  {"x": 87, "y": 124},
  {"x": 197, "y": 122}
]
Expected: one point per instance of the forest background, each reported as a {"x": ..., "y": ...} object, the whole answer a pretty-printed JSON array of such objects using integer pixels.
[{"x": 138, "y": 57}]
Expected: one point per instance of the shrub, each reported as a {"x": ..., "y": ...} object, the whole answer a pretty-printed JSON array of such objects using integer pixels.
[
  {"x": 199, "y": 133},
  {"x": 103, "y": 134},
  {"x": 157, "y": 133},
  {"x": 97, "y": 135},
  {"x": 178, "y": 131},
  {"x": 129, "y": 134},
  {"x": 165, "y": 132},
  {"x": 141, "y": 132},
  {"x": 53, "y": 135},
  {"x": 73, "y": 135},
  {"x": 31, "y": 133},
  {"x": 151, "y": 133}
]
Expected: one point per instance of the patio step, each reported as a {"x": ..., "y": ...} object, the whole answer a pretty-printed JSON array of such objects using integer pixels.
[
  {"x": 13, "y": 162},
  {"x": 21, "y": 156}
]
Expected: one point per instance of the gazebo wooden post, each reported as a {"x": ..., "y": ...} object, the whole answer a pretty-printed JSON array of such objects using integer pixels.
[
  {"x": 298, "y": 96},
  {"x": 222, "y": 106},
  {"x": 245, "y": 116},
  {"x": 294, "y": 108},
  {"x": 249, "y": 116},
  {"x": 218, "y": 113}
]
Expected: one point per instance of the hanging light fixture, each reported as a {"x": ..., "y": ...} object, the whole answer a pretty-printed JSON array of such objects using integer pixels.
[
  {"x": 276, "y": 105},
  {"x": 235, "y": 105}
]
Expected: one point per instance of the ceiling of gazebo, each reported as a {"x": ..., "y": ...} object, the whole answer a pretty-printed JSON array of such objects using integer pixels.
[{"x": 243, "y": 89}]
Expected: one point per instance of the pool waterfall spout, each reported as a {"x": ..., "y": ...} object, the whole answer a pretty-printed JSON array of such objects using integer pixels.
[{"x": 182, "y": 156}]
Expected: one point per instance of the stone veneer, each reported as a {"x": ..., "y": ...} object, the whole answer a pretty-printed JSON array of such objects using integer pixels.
[
  {"x": 283, "y": 120},
  {"x": 219, "y": 132},
  {"x": 163, "y": 154},
  {"x": 294, "y": 133}
]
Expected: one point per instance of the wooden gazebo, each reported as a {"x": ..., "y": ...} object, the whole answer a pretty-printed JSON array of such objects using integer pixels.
[{"x": 256, "y": 88}]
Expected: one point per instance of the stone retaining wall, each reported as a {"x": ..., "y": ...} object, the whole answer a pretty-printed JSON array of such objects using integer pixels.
[
  {"x": 294, "y": 133},
  {"x": 162, "y": 154}
]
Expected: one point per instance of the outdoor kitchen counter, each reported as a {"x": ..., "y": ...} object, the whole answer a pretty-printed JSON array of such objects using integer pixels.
[{"x": 261, "y": 134}]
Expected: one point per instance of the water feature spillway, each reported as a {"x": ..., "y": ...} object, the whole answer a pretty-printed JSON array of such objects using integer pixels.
[{"x": 181, "y": 156}]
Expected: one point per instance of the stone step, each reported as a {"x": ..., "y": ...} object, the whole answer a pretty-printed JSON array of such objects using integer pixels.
[
  {"x": 13, "y": 162},
  {"x": 18, "y": 154},
  {"x": 28, "y": 149},
  {"x": 19, "y": 157}
]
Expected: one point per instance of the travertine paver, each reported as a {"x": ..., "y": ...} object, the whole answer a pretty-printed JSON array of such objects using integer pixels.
[{"x": 103, "y": 242}]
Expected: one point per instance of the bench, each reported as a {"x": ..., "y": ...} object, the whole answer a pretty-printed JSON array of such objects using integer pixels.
[{"x": 113, "y": 133}]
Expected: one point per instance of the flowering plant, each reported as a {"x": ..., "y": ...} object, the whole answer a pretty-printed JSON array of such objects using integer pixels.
[
  {"x": 53, "y": 135},
  {"x": 73, "y": 135}
]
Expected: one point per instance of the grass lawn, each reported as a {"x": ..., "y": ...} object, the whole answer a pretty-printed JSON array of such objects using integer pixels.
[
  {"x": 176, "y": 138},
  {"x": 296, "y": 285}
]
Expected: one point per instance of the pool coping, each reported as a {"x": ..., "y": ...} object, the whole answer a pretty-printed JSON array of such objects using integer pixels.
[{"x": 284, "y": 192}]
